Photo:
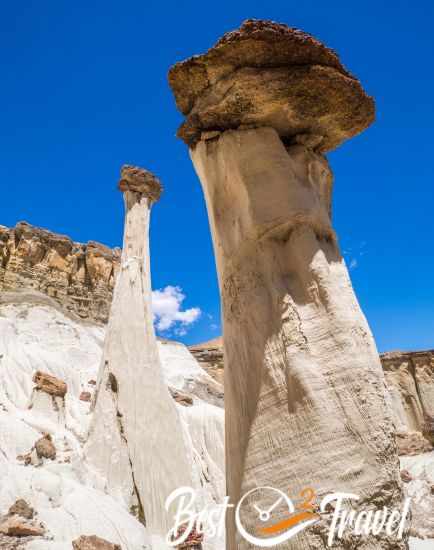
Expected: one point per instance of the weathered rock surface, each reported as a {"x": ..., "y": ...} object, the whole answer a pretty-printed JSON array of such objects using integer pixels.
[
  {"x": 410, "y": 379},
  {"x": 210, "y": 356},
  {"x": 80, "y": 277},
  {"x": 93, "y": 543},
  {"x": 45, "y": 447},
  {"x": 303, "y": 370},
  {"x": 267, "y": 74},
  {"x": 50, "y": 384},
  {"x": 15, "y": 526},
  {"x": 22, "y": 509},
  {"x": 181, "y": 398},
  {"x": 418, "y": 486},
  {"x": 411, "y": 443},
  {"x": 137, "y": 440},
  {"x": 139, "y": 180},
  {"x": 305, "y": 396}
]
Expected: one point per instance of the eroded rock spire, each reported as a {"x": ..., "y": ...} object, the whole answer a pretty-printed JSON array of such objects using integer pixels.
[
  {"x": 305, "y": 398},
  {"x": 136, "y": 446}
]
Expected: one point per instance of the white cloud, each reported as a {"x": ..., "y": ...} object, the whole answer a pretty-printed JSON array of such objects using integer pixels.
[
  {"x": 354, "y": 263},
  {"x": 168, "y": 313}
]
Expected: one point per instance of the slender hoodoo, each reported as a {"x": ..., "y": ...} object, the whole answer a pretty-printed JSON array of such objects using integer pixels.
[
  {"x": 305, "y": 397},
  {"x": 136, "y": 444}
]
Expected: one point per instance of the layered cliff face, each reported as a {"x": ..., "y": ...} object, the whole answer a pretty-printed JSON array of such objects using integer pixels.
[
  {"x": 80, "y": 277},
  {"x": 210, "y": 356},
  {"x": 410, "y": 378}
]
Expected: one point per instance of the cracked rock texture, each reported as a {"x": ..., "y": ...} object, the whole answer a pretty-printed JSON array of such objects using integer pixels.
[
  {"x": 267, "y": 74},
  {"x": 80, "y": 277}
]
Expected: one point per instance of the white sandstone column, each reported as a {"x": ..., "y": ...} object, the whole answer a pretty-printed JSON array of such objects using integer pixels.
[
  {"x": 136, "y": 442},
  {"x": 305, "y": 397}
]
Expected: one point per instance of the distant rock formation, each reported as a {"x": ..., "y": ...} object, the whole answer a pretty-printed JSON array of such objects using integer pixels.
[
  {"x": 410, "y": 378},
  {"x": 137, "y": 438},
  {"x": 210, "y": 356},
  {"x": 80, "y": 277}
]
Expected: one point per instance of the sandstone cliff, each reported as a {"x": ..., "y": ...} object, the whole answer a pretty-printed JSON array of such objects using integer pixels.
[
  {"x": 410, "y": 378},
  {"x": 80, "y": 277},
  {"x": 210, "y": 356}
]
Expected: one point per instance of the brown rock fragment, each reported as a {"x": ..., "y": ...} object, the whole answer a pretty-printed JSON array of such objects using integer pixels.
[
  {"x": 26, "y": 458},
  {"x": 85, "y": 396},
  {"x": 406, "y": 476},
  {"x": 141, "y": 181},
  {"x": 50, "y": 384},
  {"x": 181, "y": 398},
  {"x": 22, "y": 509},
  {"x": 16, "y": 527},
  {"x": 412, "y": 443},
  {"x": 45, "y": 447},
  {"x": 193, "y": 542},
  {"x": 93, "y": 543}
]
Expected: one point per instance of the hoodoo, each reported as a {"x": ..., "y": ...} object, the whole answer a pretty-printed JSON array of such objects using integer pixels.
[
  {"x": 136, "y": 444},
  {"x": 305, "y": 397}
]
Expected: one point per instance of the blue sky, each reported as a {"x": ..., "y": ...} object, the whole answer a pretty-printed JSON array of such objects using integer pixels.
[{"x": 84, "y": 90}]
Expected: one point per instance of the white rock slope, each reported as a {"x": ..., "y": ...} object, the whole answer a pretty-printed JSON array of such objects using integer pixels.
[{"x": 36, "y": 335}]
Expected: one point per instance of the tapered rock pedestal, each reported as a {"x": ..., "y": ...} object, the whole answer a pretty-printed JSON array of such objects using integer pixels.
[
  {"x": 136, "y": 441},
  {"x": 306, "y": 404}
]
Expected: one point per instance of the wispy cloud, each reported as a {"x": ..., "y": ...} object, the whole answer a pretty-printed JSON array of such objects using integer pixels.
[
  {"x": 353, "y": 254},
  {"x": 168, "y": 312}
]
